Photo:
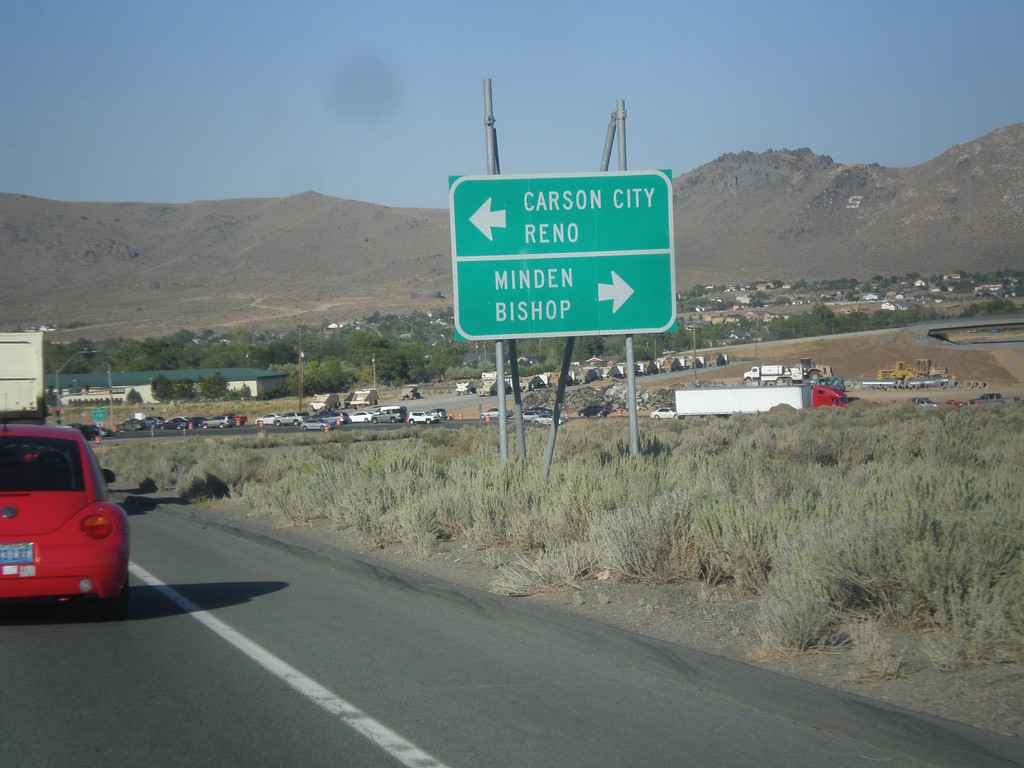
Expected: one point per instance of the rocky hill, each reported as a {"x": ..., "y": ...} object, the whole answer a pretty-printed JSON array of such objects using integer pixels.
[
  {"x": 792, "y": 214},
  {"x": 137, "y": 269}
]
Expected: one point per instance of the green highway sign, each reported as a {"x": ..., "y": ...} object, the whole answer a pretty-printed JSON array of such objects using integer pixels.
[{"x": 562, "y": 254}]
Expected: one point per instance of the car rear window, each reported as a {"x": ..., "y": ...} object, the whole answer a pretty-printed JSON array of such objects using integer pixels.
[{"x": 39, "y": 464}]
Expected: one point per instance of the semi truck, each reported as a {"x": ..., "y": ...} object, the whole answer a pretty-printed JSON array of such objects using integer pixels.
[
  {"x": 22, "y": 395},
  {"x": 722, "y": 401}
]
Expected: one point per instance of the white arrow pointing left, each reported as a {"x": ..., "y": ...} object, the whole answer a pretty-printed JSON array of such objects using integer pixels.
[
  {"x": 617, "y": 292},
  {"x": 485, "y": 219}
]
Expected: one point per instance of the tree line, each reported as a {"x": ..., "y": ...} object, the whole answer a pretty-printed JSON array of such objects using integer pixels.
[{"x": 391, "y": 350}]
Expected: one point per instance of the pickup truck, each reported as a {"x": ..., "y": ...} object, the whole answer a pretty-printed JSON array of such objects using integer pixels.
[{"x": 988, "y": 398}]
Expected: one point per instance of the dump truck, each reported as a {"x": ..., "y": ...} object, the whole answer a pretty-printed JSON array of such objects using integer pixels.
[
  {"x": 325, "y": 402},
  {"x": 489, "y": 386},
  {"x": 411, "y": 392},
  {"x": 540, "y": 381},
  {"x": 362, "y": 398},
  {"x": 465, "y": 388},
  {"x": 723, "y": 401},
  {"x": 22, "y": 393},
  {"x": 554, "y": 377}
]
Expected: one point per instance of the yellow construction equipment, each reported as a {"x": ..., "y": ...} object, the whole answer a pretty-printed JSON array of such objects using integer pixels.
[{"x": 922, "y": 368}]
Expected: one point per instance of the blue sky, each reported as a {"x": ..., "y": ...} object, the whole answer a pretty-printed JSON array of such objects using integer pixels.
[{"x": 161, "y": 101}]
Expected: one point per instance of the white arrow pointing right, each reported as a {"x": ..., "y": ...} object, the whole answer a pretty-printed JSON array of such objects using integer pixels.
[
  {"x": 617, "y": 292},
  {"x": 485, "y": 219}
]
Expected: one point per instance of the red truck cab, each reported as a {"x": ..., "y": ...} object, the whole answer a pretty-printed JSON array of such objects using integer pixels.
[{"x": 822, "y": 396}]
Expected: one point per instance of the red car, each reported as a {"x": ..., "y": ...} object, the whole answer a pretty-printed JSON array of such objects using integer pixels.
[{"x": 60, "y": 535}]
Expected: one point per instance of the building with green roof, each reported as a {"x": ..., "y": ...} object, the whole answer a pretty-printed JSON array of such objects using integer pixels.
[{"x": 100, "y": 387}]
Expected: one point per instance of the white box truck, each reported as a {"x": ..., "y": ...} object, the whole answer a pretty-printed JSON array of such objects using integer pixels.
[
  {"x": 722, "y": 401},
  {"x": 22, "y": 396}
]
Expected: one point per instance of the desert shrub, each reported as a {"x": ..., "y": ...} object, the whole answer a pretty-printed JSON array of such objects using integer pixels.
[
  {"x": 873, "y": 650},
  {"x": 196, "y": 484},
  {"x": 649, "y": 542},
  {"x": 795, "y": 614},
  {"x": 560, "y": 567}
]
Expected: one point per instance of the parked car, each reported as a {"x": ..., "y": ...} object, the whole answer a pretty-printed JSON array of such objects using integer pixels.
[
  {"x": 152, "y": 422},
  {"x": 92, "y": 431},
  {"x": 290, "y": 419},
  {"x": 183, "y": 422},
  {"x": 364, "y": 417},
  {"x": 220, "y": 422},
  {"x": 62, "y": 538},
  {"x": 923, "y": 401},
  {"x": 664, "y": 413},
  {"x": 531, "y": 414},
  {"x": 319, "y": 424},
  {"x": 421, "y": 417},
  {"x": 546, "y": 418},
  {"x": 132, "y": 425},
  {"x": 595, "y": 409},
  {"x": 392, "y": 413},
  {"x": 339, "y": 417},
  {"x": 491, "y": 414},
  {"x": 439, "y": 414}
]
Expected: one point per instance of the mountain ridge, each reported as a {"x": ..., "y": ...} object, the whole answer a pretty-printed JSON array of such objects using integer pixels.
[{"x": 147, "y": 269}]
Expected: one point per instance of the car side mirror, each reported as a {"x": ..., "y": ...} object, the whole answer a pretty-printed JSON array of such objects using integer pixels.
[{"x": 108, "y": 476}]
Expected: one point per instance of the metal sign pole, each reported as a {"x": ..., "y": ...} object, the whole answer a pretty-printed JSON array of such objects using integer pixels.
[
  {"x": 517, "y": 398},
  {"x": 557, "y": 409},
  {"x": 634, "y": 435},
  {"x": 491, "y": 138}
]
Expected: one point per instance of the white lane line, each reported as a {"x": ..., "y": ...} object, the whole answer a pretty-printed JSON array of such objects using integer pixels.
[{"x": 401, "y": 749}]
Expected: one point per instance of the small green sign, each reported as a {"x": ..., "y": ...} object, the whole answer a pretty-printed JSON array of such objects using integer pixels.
[
  {"x": 99, "y": 414},
  {"x": 562, "y": 254}
]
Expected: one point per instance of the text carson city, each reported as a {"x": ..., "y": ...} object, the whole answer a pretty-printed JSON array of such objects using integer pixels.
[{"x": 576, "y": 200}]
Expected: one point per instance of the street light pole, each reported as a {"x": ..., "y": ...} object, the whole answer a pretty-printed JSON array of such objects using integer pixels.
[{"x": 60, "y": 409}]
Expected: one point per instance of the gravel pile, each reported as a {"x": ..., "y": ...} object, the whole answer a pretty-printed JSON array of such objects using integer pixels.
[{"x": 612, "y": 393}]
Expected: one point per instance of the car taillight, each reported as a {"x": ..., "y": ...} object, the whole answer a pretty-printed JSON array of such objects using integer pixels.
[{"x": 97, "y": 526}]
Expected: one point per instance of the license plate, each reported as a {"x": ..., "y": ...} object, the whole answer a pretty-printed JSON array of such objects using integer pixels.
[{"x": 16, "y": 554}]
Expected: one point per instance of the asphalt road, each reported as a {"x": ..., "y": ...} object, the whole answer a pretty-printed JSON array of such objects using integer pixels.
[{"x": 247, "y": 650}]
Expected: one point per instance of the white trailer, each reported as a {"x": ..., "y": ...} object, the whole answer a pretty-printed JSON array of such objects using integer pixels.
[{"x": 721, "y": 401}]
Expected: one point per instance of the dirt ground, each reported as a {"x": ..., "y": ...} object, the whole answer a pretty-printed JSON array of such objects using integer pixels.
[
  {"x": 860, "y": 357},
  {"x": 719, "y": 621}
]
